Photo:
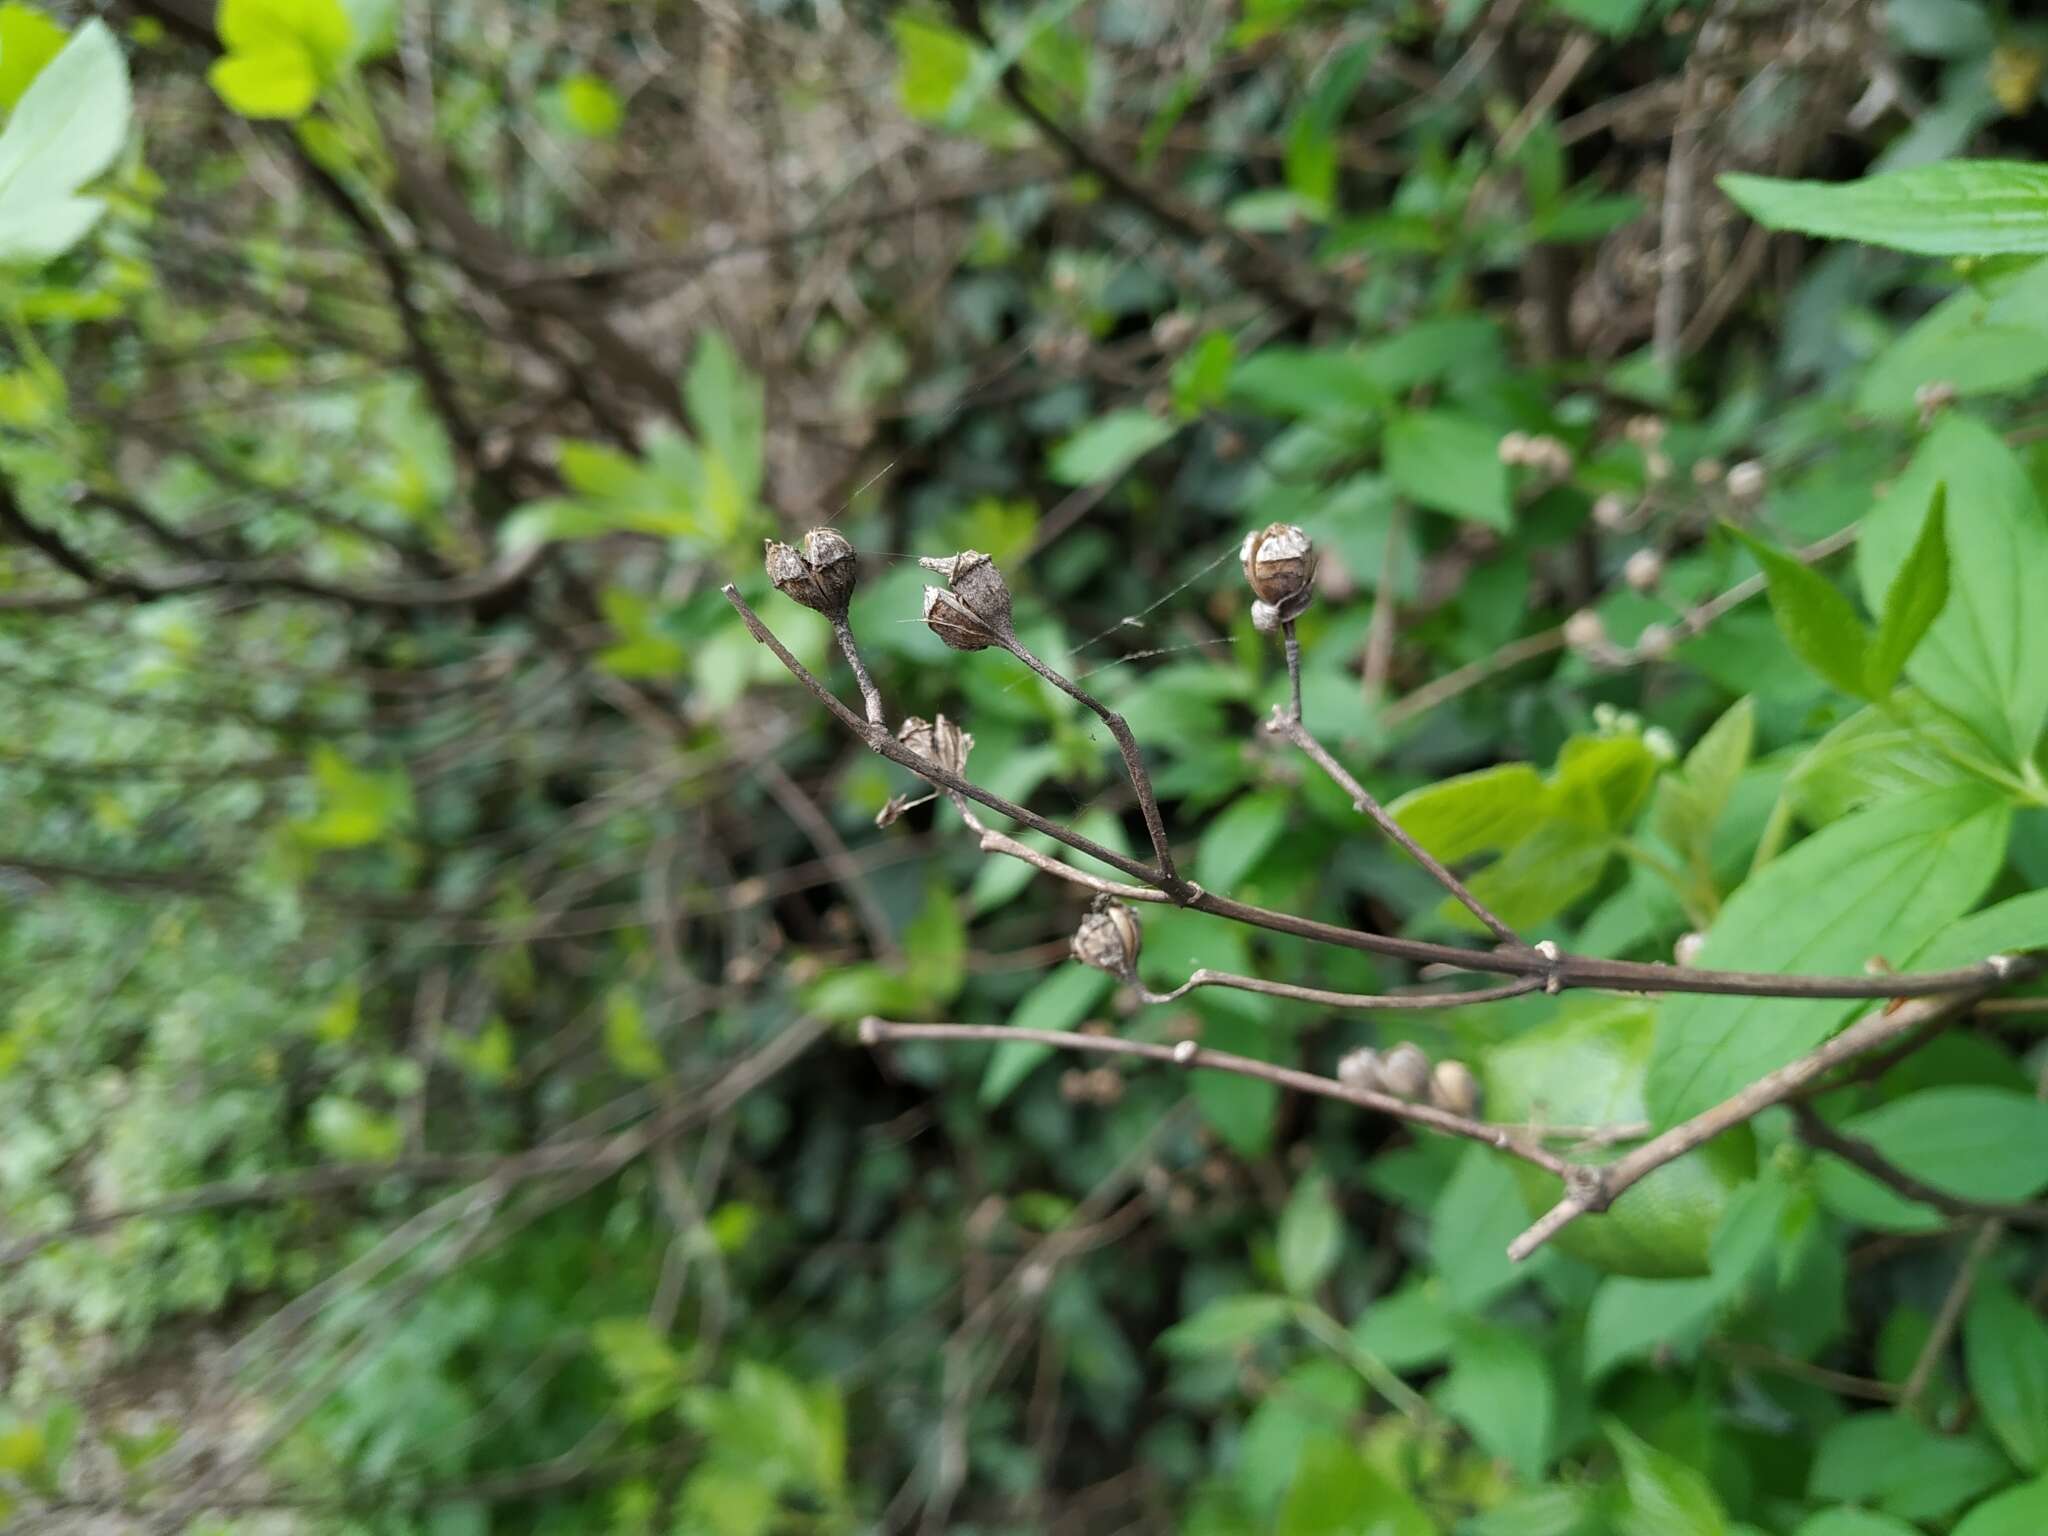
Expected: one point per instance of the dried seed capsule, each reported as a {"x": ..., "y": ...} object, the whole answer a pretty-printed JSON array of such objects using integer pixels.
[
  {"x": 1453, "y": 1087},
  {"x": 1280, "y": 565},
  {"x": 940, "y": 740},
  {"x": 1360, "y": 1069},
  {"x": 979, "y": 598},
  {"x": 1405, "y": 1071},
  {"x": 1109, "y": 939},
  {"x": 821, "y": 575}
]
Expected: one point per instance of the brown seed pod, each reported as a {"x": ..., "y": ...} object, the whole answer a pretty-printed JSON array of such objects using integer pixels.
[
  {"x": 1405, "y": 1071},
  {"x": 972, "y": 612},
  {"x": 1453, "y": 1087},
  {"x": 1280, "y": 564},
  {"x": 940, "y": 740},
  {"x": 821, "y": 575},
  {"x": 1109, "y": 939}
]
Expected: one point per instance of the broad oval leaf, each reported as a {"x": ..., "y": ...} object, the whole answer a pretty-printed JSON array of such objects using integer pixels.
[{"x": 1878, "y": 882}]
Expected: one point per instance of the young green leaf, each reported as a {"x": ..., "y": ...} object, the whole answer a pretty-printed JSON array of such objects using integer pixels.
[
  {"x": 1501, "y": 1390},
  {"x": 1954, "y": 208},
  {"x": 1913, "y": 601},
  {"x": 1311, "y": 1236},
  {"x": 65, "y": 130},
  {"x": 1666, "y": 1497},
  {"x": 1981, "y": 658},
  {"x": 2005, "y": 1348},
  {"x": 1104, "y": 449},
  {"x": 1816, "y": 619},
  {"x": 1226, "y": 1323},
  {"x": 2021, "y": 1511}
]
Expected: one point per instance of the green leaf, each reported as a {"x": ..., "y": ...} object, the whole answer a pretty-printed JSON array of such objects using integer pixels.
[
  {"x": 1954, "y": 208},
  {"x": 935, "y": 948},
  {"x": 728, "y": 410},
  {"x": 589, "y": 106},
  {"x": 1225, "y": 1323},
  {"x": 1449, "y": 463},
  {"x": 1500, "y": 1389},
  {"x": 28, "y": 41},
  {"x": 1847, "y": 1521},
  {"x": 1879, "y": 882},
  {"x": 2010, "y": 927},
  {"x": 1104, "y": 449},
  {"x": 1311, "y": 1236},
  {"x": 1690, "y": 802},
  {"x": 1631, "y": 1318},
  {"x": 1241, "y": 1110},
  {"x": 280, "y": 54},
  {"x": 1665, "y": 1496},
  {"x": 1979, "y": 1143},
  {"x": 1201, "y": 375},
  {"x": 1913, "y": 601},
  {"x": 354, "y": 1133},
  {"x": 2021, "y": 1511},
  {"x": 1060, "y": 1001},
  {"x": 65, "y": 130},
  {"x": 1235, "y": 841},
  {"x": 1816, "y": 619},
  {"x": 1616, "y": 18},
  {"x": 1479, "y": 1213},
  {"x": 1987, "y": 339},
  {"x": 1981, "y": 657},
  {"x": 1903, "y": 1467},
  {"x": 2005, "y": 1349},
  {"x": 1311, "y": 158},
  {"x": 626, "y": 1039},
  {"x": 1468, "y": 814},
  {"x": 1337, "y": 1492}
]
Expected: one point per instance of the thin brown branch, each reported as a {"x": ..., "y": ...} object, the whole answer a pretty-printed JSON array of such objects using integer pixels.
[
  {"x": 1187, "y": 1053},
  {"x": 1389, "y": 1001},
  {"x": 1562, "y": 970},
  {"x": 1950, "y": 1315},
  {"x": 1593, "y": 1189},
  {"x": 1816, "y": 1132}
]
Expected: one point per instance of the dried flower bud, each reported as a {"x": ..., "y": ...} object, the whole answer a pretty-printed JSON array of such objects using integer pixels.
[
  {"x": 1074, "y": 1085},
  {"x": 1360, "y": 1070},
  {"x": 1453, "y": 1087},
  {"x": 1584, "y": 631},
  {"x": 1109, "y": 938},
  {"x": 940, "y": 740},
  {"x": 1514, "y": 448},
  {"x": 1280, "y": 565},
  {"x": 1645, "y": 431},
  {"x": 1655, "y": 642},
  {"x": 1932, "y": 398},
  {"x": 821, "y": 575},
  {"x": 1643, "y": 570},
  {"x": 1687, "y": 950},
  {"x": 1706, "y": 471},
  {"x": 1746, "y": 480},
  {"x": 1405, "y": 1070},
  {"x": 975, "y": 613},
  {"x": 1105, "y": 1085}
]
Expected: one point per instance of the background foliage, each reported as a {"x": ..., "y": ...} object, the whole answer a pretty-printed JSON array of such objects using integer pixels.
[{"x": 431, "y": 929}]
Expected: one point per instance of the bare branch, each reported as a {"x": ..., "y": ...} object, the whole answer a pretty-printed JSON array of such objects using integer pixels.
[
  {"x": 1187, "y": 1053},
  {"x": 1380, "y": 1001}
]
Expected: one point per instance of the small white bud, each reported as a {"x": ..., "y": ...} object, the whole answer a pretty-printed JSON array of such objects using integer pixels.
[
  {"x": 1184, "y": 1052},
  {"x": 1514, "y": 448},
  {"x": 1359, "y": 1070},
  {"x": 1646, "y": 431},
  {"x": 1584, "y": 631},
  {"x": 1655, "y": 642},
  {"x": 1405, "y": 1071},
  {"x": 1746, "y": 480},
  {"x": 1660, "y": 744},
  {"x": 1643, "y": 570},
  {"x": 1707, "y": 471},
  {"x": 1687, "y": 950},
  {"x": 1610, "y": 511}
]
